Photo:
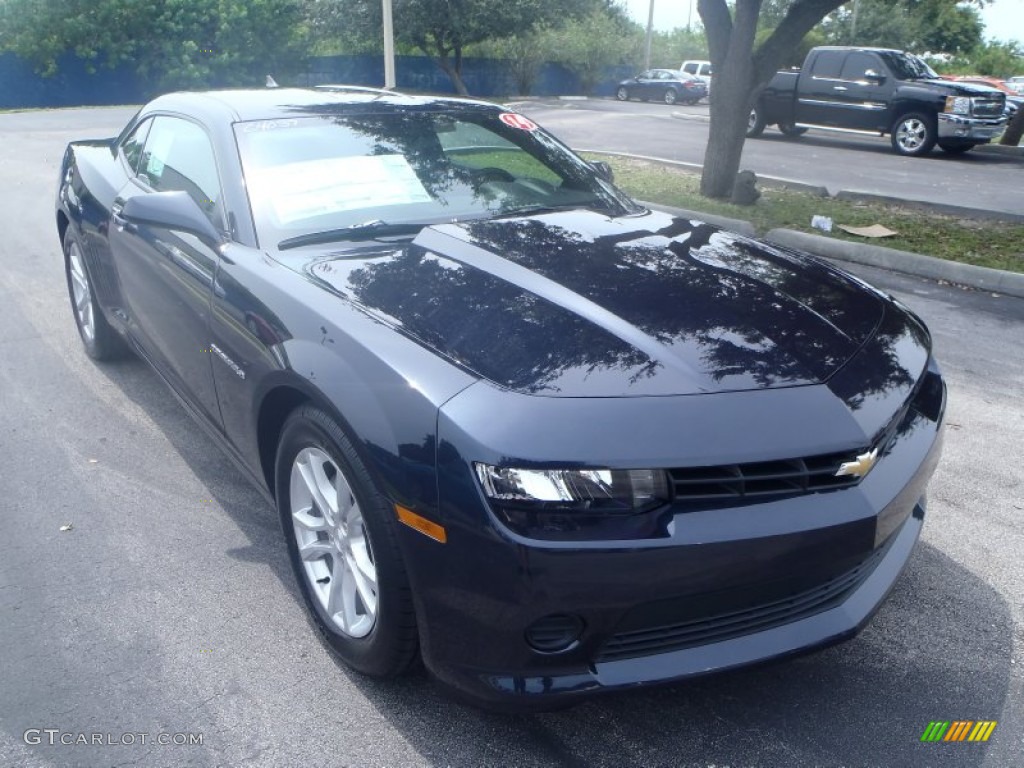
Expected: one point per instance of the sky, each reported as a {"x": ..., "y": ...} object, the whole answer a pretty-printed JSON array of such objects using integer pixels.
[{"x": 1004, "y": 19}]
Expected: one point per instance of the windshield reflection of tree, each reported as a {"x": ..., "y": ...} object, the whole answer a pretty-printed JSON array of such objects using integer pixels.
[
  {"x": 412, "y": 132},
  {"x": 744, "y": 316}
]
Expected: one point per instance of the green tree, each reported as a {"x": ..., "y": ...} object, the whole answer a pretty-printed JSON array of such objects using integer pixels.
[
  {"x": 587, "y": 46},
  {"x": 170, "y": 43},
  {"x": 444, "y": 29},
  {"x": 938, "y": 26}
]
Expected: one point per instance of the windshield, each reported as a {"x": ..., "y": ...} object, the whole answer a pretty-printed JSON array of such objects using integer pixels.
[
  {"x": 906, "y": 66},
  {"x": 338, "y": 172}
]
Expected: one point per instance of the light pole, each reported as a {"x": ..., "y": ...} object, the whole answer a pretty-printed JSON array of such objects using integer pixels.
[
  {"x": 389, "y": 46},
  {"x": 650, "y": 29}
]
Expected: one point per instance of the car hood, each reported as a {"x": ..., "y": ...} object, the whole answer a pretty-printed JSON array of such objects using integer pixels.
[
  {"x": 582, "y": 304},
  {"x": 965, "y": 89}
]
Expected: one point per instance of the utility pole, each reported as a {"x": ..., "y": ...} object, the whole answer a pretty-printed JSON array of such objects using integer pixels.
[
  {"x": 650, "y": 29},
  {"x": 853, "y": 26},
  {"x": 389, "y": 46}
]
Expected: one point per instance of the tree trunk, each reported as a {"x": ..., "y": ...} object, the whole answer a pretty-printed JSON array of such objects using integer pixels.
[
  {"x": 453, "y": 70},
  {"x": 731, "y": 44},
  {"x": 1014, "y": 131}
]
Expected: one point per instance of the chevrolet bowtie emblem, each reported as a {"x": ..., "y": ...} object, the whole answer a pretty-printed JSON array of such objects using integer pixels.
[{"x": 860, "y": 467}]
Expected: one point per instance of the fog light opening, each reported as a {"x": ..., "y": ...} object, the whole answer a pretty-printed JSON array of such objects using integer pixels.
[{"x": 556, "y": 633}]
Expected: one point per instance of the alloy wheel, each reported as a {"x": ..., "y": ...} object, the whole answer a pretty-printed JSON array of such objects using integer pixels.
[
  {"x": 333, "y": 543},
  {"x": 911, "y": 134},
  {"x": 81, "y": 292}
]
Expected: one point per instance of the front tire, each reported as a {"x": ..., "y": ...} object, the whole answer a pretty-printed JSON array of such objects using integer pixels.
[
  {"x": 755, "y": 123},
  {"x": 622, "y": 94},
  {"x": 343, "y": 546},
  {"x": 670, "y": 96},
  {"x": 914, "y": 134},
  {"x": 100, "y": 340}
]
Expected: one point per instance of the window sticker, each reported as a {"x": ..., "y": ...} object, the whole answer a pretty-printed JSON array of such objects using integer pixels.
[
  {"x": 157, "y": 149},
  {"x": 517, "y": 121},
  {"x": 319, "y": 187}
]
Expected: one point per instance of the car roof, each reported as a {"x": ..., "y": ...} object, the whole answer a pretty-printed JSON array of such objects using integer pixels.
[{"x": 239, "y": 105}]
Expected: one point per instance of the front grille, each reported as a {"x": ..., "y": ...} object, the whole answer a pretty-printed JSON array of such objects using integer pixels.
[
  {"x": 982, "y": 106},
  {"x": 723, "y": 626},
  {"x": 762, "y": 478}
]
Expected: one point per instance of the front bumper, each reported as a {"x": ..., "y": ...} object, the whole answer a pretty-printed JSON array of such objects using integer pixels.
[
  {"x": 835, "y": 555},
  {"x": 969, "y": 128}
]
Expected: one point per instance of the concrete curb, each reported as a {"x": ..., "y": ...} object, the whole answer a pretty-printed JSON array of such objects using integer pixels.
[{"x": 983, "y": 278}]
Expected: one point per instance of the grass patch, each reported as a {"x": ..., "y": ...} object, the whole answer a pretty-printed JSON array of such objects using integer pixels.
[{"x": 971, "y": 241}]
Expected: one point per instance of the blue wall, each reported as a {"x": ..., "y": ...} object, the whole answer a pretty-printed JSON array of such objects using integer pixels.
[{"x": 73, "y": 85}]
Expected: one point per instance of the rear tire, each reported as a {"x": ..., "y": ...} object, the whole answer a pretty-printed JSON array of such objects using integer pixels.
[
  {"x": 914, "y": 134},
  {"x": 791, "y": 131},
  {"x": 670, "y": 96},
  {"x": 343, "y": 546},
  {"x": 755, "y": 123},
  {"x": 100, "y": 340}
]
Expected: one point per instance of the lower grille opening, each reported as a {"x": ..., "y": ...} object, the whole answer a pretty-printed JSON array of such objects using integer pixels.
[{"x": 723, "y": 626}]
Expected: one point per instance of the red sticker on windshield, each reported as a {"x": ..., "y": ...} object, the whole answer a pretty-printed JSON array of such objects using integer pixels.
[{"x": 518, "y": 121}]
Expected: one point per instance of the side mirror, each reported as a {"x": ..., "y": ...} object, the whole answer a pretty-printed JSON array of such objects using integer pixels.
[
  {"x": 172, "y": 210},
  {"x": 874, "y": 77},
  {"x": 603, "y": 170}
]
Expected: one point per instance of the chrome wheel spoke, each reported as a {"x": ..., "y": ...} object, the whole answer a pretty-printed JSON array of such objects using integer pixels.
[
  {"x": 308, "y": 522},
  {"x": 315, "y": 478},
  {"x": 317, "y": 549},
  {"x": 365, "y": 584},
  {"x": 342, "y": 591}
]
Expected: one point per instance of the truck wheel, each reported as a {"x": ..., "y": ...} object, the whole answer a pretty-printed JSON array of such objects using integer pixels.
[
  {"x": 914, "y": 134},
  {"x": 622, "y": 94},
  {"x": 755, "y": 123},
  {"x": 670, "y": 96},
  {"x": 791, "y": 131},
  {"x": 956, "y": 149}
]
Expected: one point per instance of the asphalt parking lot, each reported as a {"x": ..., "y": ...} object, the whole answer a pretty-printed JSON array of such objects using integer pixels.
[{"x": 169, "y": 607}]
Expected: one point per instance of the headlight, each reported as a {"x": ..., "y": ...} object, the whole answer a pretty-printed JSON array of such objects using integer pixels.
[
  {"x": 958, "y": 105},
  {"x": 586, "y": 490}
]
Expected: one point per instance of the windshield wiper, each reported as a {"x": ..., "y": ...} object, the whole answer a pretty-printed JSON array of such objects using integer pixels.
[{"x": 373, "y": 227}]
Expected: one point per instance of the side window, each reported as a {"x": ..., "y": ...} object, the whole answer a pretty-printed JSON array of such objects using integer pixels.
[
  {"x": 705, "y": 69},
  {"x": 648, "y": 75},
  {"x": 827, "y": 65},
  {"x": 857, "y": 64},
  {"x": 179, "y": 157},
  {"x": 690, "y": 68},
  {"x": 131, "y": 147}
]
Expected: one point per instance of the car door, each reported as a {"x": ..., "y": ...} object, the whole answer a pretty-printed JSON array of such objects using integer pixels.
[
  {"x": 863, "y": 91},
  {"x": 166, "y": 276},
  {"x": 645, "y": 84},
  {"x": 818, "y": 89}
]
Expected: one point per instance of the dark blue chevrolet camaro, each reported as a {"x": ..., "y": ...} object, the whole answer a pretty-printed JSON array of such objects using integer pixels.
[{"x": 550, "y": 441}]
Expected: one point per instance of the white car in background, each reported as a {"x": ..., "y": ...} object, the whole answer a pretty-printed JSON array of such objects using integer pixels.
[{"x": 700, "y": 69}]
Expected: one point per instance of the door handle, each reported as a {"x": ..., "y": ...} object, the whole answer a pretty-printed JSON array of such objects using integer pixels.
[{"x": 838, "y": 87}]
